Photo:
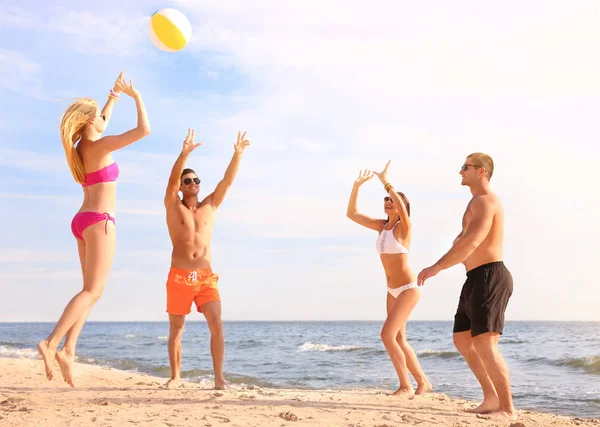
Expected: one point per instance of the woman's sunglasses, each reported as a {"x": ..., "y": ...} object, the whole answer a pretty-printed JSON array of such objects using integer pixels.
[
  {"x": 188, "y": 181},
  {"x": 388, "y": 199}
]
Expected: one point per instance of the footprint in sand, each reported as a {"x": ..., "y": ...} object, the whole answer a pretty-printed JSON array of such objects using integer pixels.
[
  {"x": 266, "y": 393},
  {"x": 221, "y": 418},
  {"x": 288, "y": 416},
  {"x": 245, "y": 396},
  {"x": 410, "y": 420}
]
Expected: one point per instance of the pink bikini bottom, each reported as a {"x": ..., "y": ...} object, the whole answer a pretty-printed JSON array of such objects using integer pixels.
[{"x": 83, "y": 220}]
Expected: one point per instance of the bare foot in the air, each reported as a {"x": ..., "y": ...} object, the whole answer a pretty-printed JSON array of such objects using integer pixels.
[
  {"x": 423, "y": 388},
  {"x": 500, "y": 416},
  {"x": 48, "y": 356},
  {"x": 172, "y": 383},
  {"x": 404, "y": 392},
  {"x": 221, "y": 385},
  {"x": 65, "y": 361},
  {"x": 487, "y": 406}
]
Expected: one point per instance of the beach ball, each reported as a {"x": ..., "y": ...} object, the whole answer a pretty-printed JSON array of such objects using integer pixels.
[{"x": 170, "y": 30}]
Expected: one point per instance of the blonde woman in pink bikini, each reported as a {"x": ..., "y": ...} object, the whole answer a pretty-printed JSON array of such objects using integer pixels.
[
  {"x": 403, "y": 293},
  {"x": 91, "y": 164}
]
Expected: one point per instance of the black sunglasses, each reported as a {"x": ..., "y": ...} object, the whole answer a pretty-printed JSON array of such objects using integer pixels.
[
  {"x": 188, "y": 181},
  {"x": 388, "y": 199},
  {"x": 466, "y": 166}
]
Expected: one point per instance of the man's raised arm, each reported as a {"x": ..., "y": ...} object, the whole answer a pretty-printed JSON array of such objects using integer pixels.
[
  {"x": 217, "y": 197},
  {"x": 175, "y": 178}
]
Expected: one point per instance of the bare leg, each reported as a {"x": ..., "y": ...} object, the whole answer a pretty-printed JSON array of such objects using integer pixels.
[
  {"x": 212, "y": 312},
  {"x": 464, "y": 344},
  {"x": 398, "y": 311},
  {"x": 423, "y": 384},
  {"x": 486, "y": 346},
  {"x": 66, "y": 356},
  {"x": 176, "y": 326},
  {"x": 100, "y": 249}
]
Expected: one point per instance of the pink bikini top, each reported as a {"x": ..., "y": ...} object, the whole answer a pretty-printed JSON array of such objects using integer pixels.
[{"x": 106, "y": 174}]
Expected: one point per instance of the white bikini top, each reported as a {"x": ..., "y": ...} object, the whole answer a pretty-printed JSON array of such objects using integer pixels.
[{"x": 387, "y": 243}]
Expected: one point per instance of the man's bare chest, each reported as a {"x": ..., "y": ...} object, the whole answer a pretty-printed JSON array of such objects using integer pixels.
[{"x": 196, "y": 220}]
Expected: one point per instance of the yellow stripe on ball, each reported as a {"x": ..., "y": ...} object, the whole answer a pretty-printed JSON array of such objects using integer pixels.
[
  {"x": 169, "y": 29},
  {"x": 167, "y": 32}
]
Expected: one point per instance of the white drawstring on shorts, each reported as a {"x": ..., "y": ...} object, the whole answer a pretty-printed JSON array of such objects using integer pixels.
[{"x": 193, "y": 276}]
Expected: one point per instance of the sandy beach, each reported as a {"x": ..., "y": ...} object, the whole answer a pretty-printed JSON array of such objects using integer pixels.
[{"x": 109, "y": 397}]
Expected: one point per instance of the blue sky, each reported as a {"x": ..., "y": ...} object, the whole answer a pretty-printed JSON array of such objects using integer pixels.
[{"x": 323, "y": 90}]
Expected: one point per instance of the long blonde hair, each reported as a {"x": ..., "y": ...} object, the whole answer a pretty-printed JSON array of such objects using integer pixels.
[{"x": 72, "y": 123}]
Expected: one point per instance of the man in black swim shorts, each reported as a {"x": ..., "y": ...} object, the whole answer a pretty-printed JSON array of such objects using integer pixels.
[
  {"x": 479, "y": 318},
  {"x": 483, "y": 299}
]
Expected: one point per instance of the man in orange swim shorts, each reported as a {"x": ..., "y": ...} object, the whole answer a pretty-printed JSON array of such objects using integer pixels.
[{"x": 191, "y": 279}]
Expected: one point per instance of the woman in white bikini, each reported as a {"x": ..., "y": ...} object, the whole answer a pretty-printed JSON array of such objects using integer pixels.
[{"x": 402, "y": 290}]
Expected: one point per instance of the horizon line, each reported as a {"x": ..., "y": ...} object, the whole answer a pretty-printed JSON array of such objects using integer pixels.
[{"x": 201, "y": 320}]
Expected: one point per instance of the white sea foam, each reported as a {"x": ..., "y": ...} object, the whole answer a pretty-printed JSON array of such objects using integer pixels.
[{"x": 308, "y": 346}]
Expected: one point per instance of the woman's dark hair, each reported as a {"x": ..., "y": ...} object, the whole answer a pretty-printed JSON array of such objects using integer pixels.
[{"x": 406, "y": 202}]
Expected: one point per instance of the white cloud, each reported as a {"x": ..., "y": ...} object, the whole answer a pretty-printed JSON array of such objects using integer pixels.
[
  {"x": 33, "y": 161},
  {"x": 120, "y": 34},
  {"x": 19, "y": 74},
  {"x": 37, "y": 273},
  {"x": 146, "y": 254},
  {"x": 13, "y": 255},
  {"x": 126, "y": 209},
  {"x": 14, "y": 17},
  {"x": 55, "y": 199},
  {"x": 465, "y": 48},
  {"x": 124, "y": 34}
]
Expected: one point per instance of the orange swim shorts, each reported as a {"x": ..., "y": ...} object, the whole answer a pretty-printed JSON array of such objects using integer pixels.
[{"x": 185, "y": 286}]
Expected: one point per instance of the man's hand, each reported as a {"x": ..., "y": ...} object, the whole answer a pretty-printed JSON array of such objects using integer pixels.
[
  {"x": 240, "y": 145},
  {"x": 383, "y": 174},
  {"x": 189, "y": 144},
  {"x": 426, "y": 273}
]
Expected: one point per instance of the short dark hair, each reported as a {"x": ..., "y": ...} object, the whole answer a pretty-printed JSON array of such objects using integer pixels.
[{"x": 186, "y": 171}]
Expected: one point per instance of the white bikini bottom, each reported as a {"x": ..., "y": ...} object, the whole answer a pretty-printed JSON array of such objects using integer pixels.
[{"x": 397, "y": 291}]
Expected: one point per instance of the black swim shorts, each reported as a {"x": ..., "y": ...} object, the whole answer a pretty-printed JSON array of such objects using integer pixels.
[{"x": 483, "y": 299}]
